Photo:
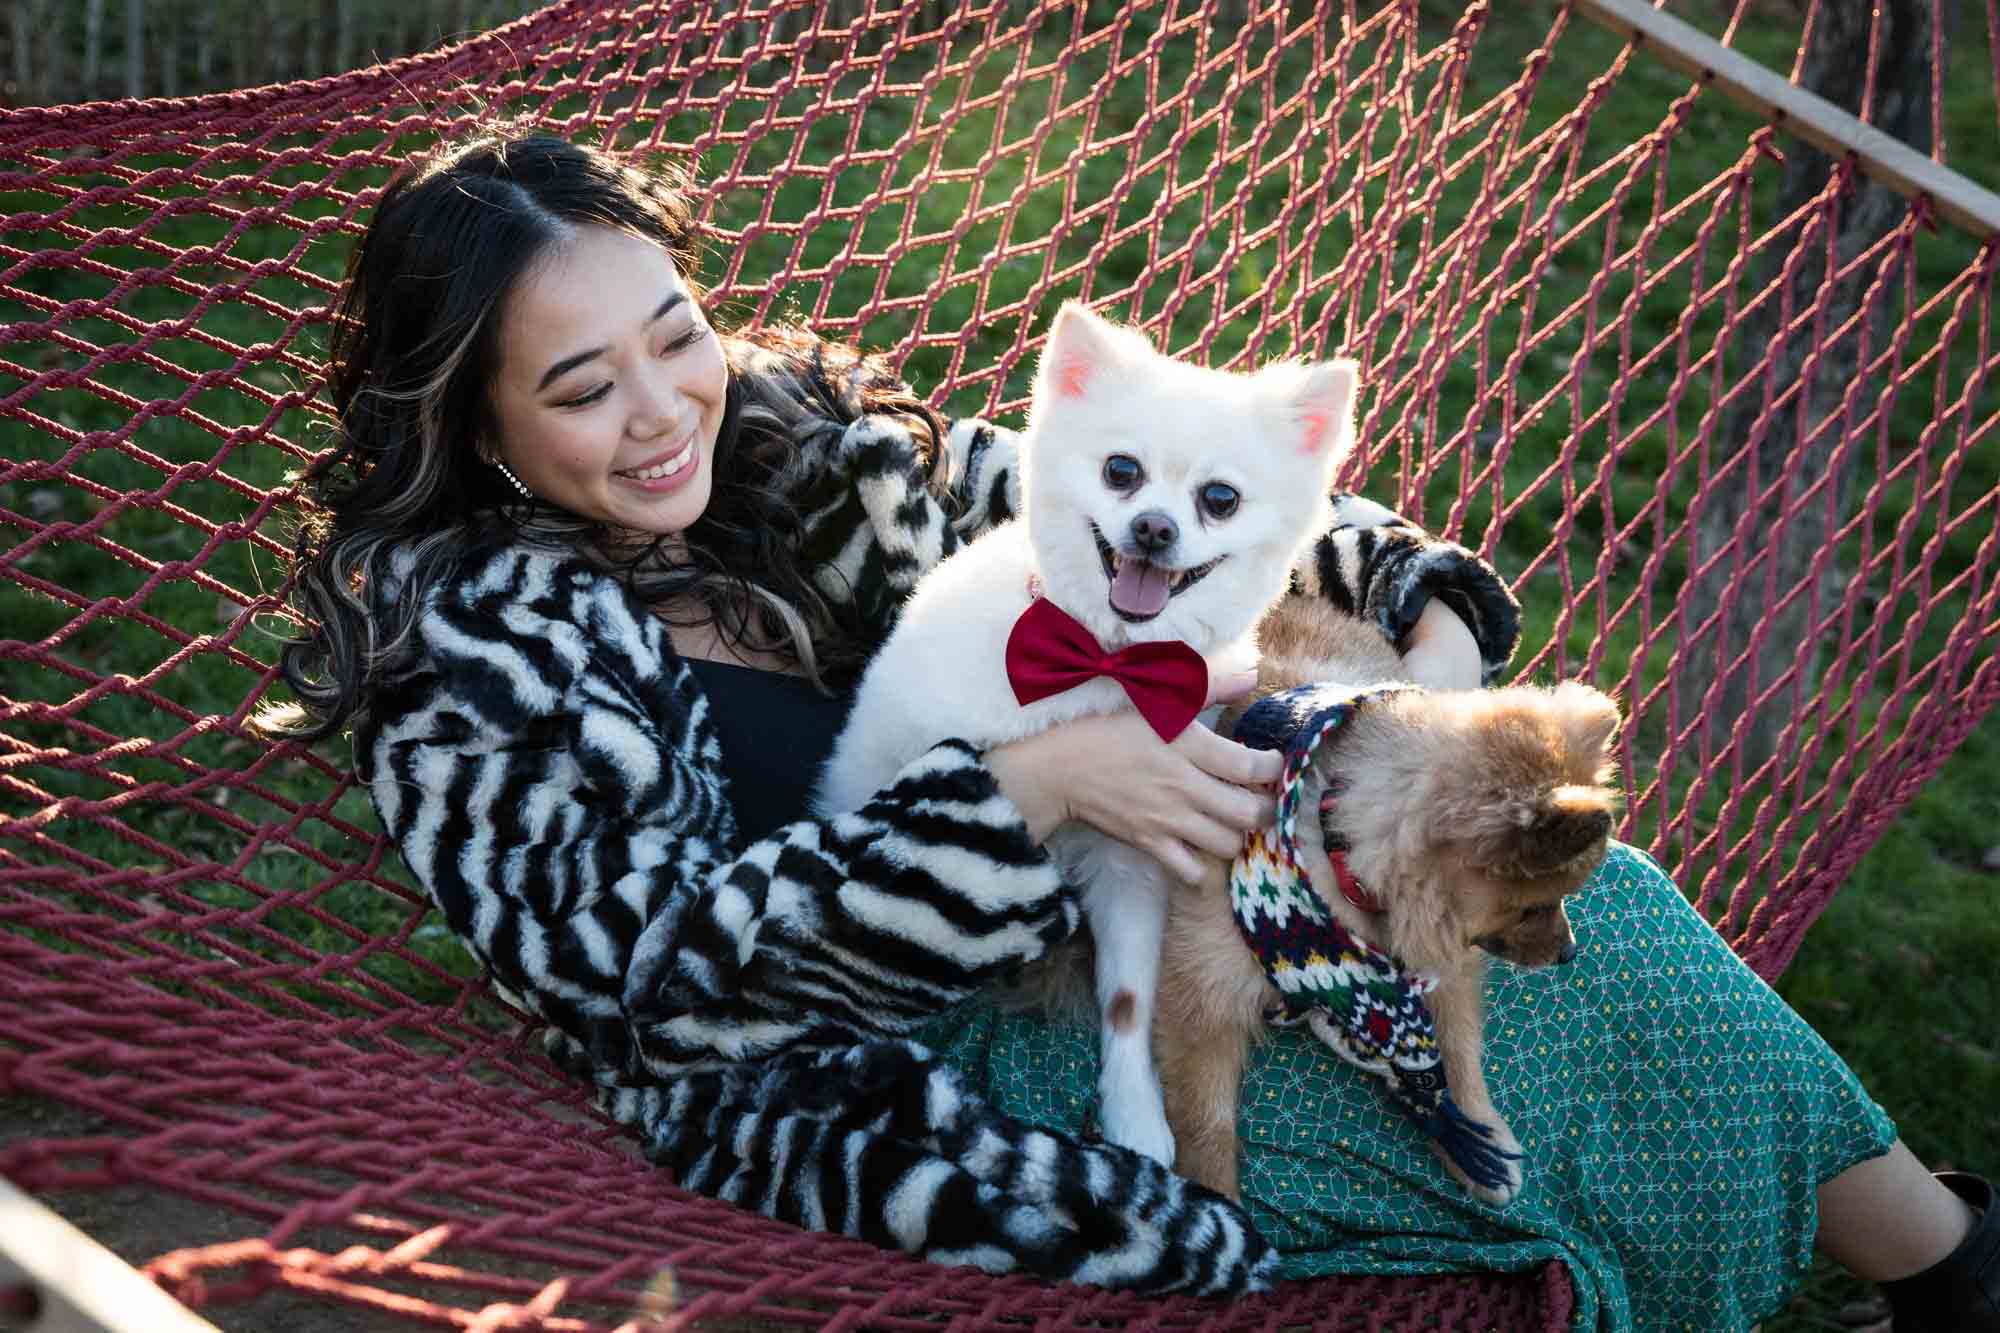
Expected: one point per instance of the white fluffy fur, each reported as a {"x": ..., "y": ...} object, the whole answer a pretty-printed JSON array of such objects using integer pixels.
[{"x": 1276, "y": 437}]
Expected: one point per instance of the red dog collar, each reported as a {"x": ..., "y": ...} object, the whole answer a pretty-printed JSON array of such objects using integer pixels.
[{"x": 1351, "y": 888}]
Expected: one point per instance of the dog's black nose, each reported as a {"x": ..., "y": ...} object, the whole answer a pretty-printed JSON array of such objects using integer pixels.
[
  {"x": 1155, "y": 531},
  {"x": 1568, "y": 951}
]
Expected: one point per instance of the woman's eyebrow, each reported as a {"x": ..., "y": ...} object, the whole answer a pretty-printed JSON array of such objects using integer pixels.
[{"x": 569, "y": 363}]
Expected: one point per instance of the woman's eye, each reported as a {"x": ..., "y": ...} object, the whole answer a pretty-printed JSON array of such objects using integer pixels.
[
  {"x": 694, "y": 335},
  {"x": 586, "y": 399},
  {"x": 1122, "y": 472},
  {"x": 1219, "y": 499}
]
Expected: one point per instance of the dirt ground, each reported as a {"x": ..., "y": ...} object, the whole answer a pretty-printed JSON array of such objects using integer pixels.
[{"x": 141, "y": 1225}]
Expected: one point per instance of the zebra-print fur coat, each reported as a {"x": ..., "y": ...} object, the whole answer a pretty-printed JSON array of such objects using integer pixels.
[{"x": 552, "y": 776}]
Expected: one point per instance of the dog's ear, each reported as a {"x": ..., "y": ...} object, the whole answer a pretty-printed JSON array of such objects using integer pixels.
[
  {"x": 1569, "y": 823},
  {"x": 1589, "y": 720},
  {"x": 1082, "y": 349},
  {"x": 1319, "y": 401}
]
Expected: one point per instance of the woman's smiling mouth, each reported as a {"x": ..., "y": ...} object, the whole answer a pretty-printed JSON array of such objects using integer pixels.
[{"x": 667, "y": 471}]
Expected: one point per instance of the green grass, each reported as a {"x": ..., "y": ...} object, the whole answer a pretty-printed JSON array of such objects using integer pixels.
[{"x": 1897, "y": 973}]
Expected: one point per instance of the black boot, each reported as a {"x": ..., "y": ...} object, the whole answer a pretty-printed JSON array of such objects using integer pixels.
[{"x": 1960, "y": 1293}]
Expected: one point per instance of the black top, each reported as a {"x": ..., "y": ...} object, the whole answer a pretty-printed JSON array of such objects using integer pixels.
[{"x": 776, "y": 732}]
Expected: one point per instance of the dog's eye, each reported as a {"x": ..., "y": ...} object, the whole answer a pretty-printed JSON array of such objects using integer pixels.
[
  {"x": 1122, "y": 472},
  {"x": 1219, "y": 499}
]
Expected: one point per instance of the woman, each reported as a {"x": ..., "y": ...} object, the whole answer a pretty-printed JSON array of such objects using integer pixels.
[{"x": 588, "y": 579}]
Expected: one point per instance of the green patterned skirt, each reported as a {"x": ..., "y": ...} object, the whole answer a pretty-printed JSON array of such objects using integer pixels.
[{"x": 1677, "y": 1117}]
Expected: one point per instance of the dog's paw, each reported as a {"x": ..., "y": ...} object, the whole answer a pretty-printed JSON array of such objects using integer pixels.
[
  {"x": 1130, "y": 1122},
  {"x": 1145, "y": 1135}
]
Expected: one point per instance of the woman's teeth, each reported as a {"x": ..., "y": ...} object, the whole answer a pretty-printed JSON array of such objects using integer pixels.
[{"x": 664, "y": 467}]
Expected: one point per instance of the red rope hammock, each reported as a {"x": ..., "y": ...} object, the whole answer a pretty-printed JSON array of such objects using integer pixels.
[{"x": 1576, "y": 361}]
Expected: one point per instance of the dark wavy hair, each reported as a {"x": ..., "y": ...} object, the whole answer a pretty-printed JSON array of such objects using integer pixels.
[{"x": 404, "y": 493}]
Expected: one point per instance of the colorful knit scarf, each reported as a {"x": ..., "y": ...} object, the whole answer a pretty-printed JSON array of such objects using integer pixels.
[{"x": 1358, "y": 1000}]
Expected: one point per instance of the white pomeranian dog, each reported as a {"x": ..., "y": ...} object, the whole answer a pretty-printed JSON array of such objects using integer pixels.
[{"x": 1161, "y": 502}]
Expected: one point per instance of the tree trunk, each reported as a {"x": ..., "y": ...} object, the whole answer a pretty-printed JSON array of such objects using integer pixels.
[
  {"x": 343, "y": 35},
  {"x": 24, "y": 49},
  {"x": 405, "y": 33},
  {"x": 1767, "y": 554},
  {"x": 55, "y": 46},
  {"x": 240, "y": 40},
  {"x": 93, "y": 49},
  {"x": 168, "y": 33},
  {"x": 277, "y": 31},
  {"x": 135, "y": 48},
  {"x": 304, "y": 37},
  {"x": 204, "y": 48}
]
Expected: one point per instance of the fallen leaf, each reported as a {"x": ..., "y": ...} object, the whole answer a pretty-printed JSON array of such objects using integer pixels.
[
  {"x": 1871, "y": 1314},
  {"x": 1952, "y": 1041},
  {"x": 1917, "y": 958}
]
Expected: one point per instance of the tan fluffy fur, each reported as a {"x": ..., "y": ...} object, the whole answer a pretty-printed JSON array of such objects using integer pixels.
[{"x": 1469, "y": 814}]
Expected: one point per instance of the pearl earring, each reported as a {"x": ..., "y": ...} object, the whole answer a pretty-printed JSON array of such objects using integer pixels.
[{"x": 517, "y": 483}]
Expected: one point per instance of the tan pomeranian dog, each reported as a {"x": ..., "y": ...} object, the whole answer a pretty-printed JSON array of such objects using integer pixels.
[{"x": 1467, "y": 815}]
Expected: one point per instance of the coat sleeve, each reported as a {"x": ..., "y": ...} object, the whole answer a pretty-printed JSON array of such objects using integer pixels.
[
  {"x": 1371, "y": 562},
  {"x": 875, "y": 515},
  {"x": 551, "y": 776},
  {"x": 873, "y": 524},
  {"x": 1376, "y": 564},
  {"x": 553, "y": 781}
]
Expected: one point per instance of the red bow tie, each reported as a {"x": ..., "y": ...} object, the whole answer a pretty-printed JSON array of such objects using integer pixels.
[{"x": 1049, "y": 652}]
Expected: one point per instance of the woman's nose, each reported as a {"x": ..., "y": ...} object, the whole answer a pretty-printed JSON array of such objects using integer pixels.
[{"x": 659, "y": 405}]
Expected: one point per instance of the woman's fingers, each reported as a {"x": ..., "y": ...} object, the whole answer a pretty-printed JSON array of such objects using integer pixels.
[
  {"x": 1182, "y": 861},
  {"x": 1227, "y": 689},
  {"x": 1249, "y": 811},
  {"x": 1440, "y": 652},
  {"x": 1212, "y": 836},
  {"x": 1224, "y": 759},
  {"x": 1188, "y": 804}
]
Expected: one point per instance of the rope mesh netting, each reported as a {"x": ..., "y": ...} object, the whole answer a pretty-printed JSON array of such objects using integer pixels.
[{"x": 1639, "y": 387}]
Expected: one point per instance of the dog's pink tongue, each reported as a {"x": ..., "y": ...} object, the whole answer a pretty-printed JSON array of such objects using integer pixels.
[{"x": 1139, "y": 588}]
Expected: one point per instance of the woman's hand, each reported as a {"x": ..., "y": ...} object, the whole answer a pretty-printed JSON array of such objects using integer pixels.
[
  {"x": 1180, "y": 803},
  {"x": 1440, "y": 652}
]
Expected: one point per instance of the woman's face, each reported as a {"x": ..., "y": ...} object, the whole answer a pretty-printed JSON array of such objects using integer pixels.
[{"x": 610, "y": 387}]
